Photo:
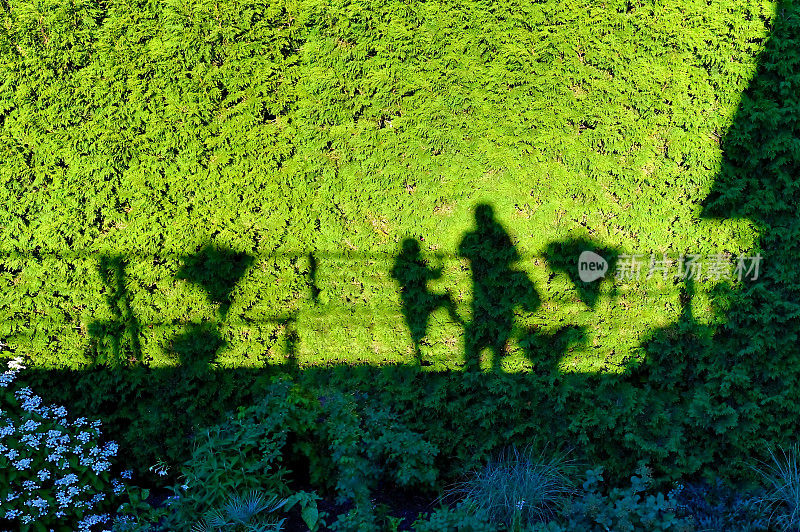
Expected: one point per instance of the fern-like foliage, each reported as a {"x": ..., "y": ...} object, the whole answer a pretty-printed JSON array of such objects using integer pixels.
[{"x": 251, "y": 512}]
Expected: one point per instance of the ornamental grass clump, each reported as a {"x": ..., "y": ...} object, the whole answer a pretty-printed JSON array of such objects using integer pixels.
[
  {"x": 783, "y": 480},
  {"x": 519, "y": 489},
  {"x": 55, "y": 474}
]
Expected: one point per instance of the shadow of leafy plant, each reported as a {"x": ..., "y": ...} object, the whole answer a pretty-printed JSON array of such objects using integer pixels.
[{"x": 216, "y": 270}]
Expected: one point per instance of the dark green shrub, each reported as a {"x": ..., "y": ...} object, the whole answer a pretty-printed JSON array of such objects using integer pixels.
[
  {"x": 245, "y": 454},
  {"x": 718, "y": 506},
  {"x": 622, "y": 509},
  {"x": 348, "y": 444},
  {"x": 461, "y": 518}
]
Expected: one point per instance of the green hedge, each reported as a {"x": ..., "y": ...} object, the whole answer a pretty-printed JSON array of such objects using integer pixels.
[{"x": 193, "y": 191}]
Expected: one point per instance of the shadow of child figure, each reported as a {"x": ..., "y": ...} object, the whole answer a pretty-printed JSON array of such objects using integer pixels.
[{"x": 413, "y": 274}]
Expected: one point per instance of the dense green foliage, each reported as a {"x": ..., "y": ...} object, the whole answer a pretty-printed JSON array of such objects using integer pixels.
[
  {"x": 627, "y": 509},
  {"x": 299, "y": 133},
  {"x": 717, "y": 506},
  {"x": 197, "y": 194},
  {"x": 461, "y": 518},
  {"x": 339, "y": 443}
]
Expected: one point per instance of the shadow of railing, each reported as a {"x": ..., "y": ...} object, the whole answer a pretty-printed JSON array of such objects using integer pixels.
[{"x": 155, "y": 410}]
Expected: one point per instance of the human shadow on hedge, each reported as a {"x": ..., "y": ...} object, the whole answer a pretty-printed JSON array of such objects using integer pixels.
[
  {"x": 412, "y": 273},
  {"x": 497, "y": 289}
]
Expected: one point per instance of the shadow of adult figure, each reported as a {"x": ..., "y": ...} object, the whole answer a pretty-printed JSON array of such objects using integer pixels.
[
  {"x": 412, "y": 273},
  {"x": 496, "y": 288}
]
